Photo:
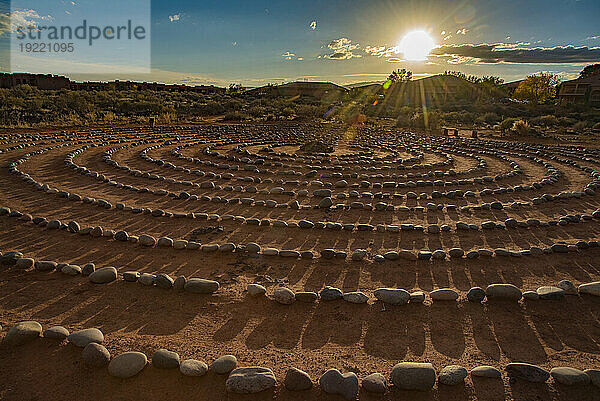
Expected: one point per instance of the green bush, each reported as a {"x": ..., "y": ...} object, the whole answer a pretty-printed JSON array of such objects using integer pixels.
[
  {"x": 488, "y": 118},
  {"x": 545, "y": 121},
  {"x": 507, "y": 124},
  {"x": 429, "y": 120}
]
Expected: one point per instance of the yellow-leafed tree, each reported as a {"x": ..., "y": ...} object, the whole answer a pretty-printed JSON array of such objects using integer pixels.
[{"x": 538, "y": 88}]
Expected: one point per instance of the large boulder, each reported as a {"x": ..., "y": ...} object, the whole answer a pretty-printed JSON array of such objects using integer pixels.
[
  {"x": 570, "y": 376},
  {"x": 95, "y": 355},
  {"x": 374, "y": 383},
  {"x": 590, "y": 288},
  {"x": 165, "y": 281},
  {"x": 82, "y": 338},
  {"x": 23, "y": 332},
  {"x": 297, "y": 380},
  {"x": 165, "y": 359},
  {"x": 24, "y": 263},
  {"x": 594, "y": 375},
  {"x": 334, "y": 382},
  {"x": 127, "y": 364},
  {"x": 452, "y": 375},
  {"x": 392, "y": 296},
  {"x": 284, "y": 296},
  {"x": 444, "y": 294},
  {"x": 104, "y": 275},
  {"x": 256, "y": 290},
  {"x": 550, "y": 293},
  {"x": 250, "y": 380},
  {"x": 193, "y": 367},
  {"x": 56, "y": 333},
  {"x": 476, "y": 295},
  {"x": 45, "y": 265},
  {"x": 528, "y": 372},
  {"x": 331, "y": 293},
  {"x": 503, "y": 292},
  {"x": 489, "y": 372},
  {"x": 413, "y": 376},
  {"x": 147, "y": 240},
  {"x": 224, "y": 364},
  {"x": 201, "y": 286}
]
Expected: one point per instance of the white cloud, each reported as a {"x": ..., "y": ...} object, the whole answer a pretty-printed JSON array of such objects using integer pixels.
[
  {"x": 288, "y": 55},
  {"x": 595, "y": 37},
  {"x": 313, "y": 25},
  {"x": 462, "y": 31},
  {"x": 21, "y": 18},
  {"x": 342, "y": 50},
  {"x": 174, "y": 17},
  {"x": 4, "y": 23},
  {"x": 381, "y": 51}
]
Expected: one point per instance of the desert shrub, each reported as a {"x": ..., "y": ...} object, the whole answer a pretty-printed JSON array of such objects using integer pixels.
[
  {"x": 403, "y": 121},
  {"x": 545, "y": 121},
  {"x": 257, "y": 111},
  {"x": 566, "y": 121},
  {"x": 488, "y": 118},
  {"x": 210, "y": 108},
  {"x": 521, "y": 127},
  {"x": 507, "y": 124},
  {"x": 287, "y": 111},
  {"x": 580, "y": 125},
  {"x": 430, "y": 120},
  {"x": 597, "y": 126}
]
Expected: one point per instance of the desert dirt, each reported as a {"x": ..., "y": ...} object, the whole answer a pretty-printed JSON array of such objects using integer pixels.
[{"x": 313, "y": 337}]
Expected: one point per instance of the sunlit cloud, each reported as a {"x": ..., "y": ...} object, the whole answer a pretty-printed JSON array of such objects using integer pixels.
[
  {"x": 509, "y": 53},
  {"x": 343, "y": 49},
  {"x": 4, "y": 23},
  {"x": 511, "y": 45},
  {"x": 288, "y": 55},
  {"x": 313, "y": 25},
  {"x": 462, "y": 31},
  {"x": 174, "y": 17},
  {"x": 20, "y": 18},
  {"x": 595, "y": 37},
  {"x": 381, "y": 51}
]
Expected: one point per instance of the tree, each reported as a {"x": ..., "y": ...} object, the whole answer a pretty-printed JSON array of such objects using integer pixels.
[
  {"x": 492, "y": 81},
  {"x": 492, "y": 86},
  {"x": 402, "y": 75},
  {"x": 538, "y": 88},
  {"x": 235, "y": 89},
  {"x": 590, "y": 70}
]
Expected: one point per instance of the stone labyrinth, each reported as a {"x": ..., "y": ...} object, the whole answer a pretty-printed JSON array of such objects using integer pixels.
[{"x": 177, "y": 262}]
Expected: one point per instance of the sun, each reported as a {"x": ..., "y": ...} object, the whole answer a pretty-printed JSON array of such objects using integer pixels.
[{"x": 416, "y": 45}]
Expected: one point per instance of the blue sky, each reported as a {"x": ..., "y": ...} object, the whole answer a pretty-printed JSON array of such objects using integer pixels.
[{"x": 256, "y": 42}]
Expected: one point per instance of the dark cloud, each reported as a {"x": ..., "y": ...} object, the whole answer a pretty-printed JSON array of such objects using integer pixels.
[{"x": 510, "y": 53}]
